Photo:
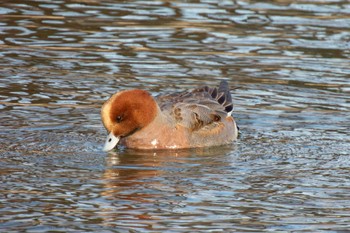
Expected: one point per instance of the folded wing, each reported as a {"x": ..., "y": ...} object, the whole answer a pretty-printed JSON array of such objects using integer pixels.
[{"x": 202, "y": 107}]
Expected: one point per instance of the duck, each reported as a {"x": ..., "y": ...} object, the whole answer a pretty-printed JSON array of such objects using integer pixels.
[{"x": 201, "y": 117}]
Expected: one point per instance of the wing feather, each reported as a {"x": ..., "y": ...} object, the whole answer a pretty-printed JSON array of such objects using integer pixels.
[{"x": 199, "y": 108}]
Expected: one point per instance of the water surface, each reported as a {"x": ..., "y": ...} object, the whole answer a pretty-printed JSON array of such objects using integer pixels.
[{"x": 287, "y": 63}]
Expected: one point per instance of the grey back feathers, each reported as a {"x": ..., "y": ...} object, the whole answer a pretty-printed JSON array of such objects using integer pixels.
[{"x": 198, "y": 108}]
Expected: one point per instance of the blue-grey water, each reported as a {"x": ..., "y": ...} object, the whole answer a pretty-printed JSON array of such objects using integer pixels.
[{"x": 287, "y": 63}]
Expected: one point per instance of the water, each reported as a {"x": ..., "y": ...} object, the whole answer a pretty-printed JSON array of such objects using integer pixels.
[{"x": 287, "y": 63}]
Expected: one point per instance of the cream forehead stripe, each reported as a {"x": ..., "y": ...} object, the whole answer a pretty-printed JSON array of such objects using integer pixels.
[{"x": 105, "y": 111}]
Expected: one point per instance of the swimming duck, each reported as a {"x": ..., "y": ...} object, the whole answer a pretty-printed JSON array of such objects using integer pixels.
[{"x": 200, "y": 117}]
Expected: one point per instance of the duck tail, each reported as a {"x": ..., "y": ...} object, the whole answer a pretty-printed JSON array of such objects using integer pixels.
[{"x": 225, "y": 97}]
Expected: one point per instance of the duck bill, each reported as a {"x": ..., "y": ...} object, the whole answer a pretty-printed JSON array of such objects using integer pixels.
[{"x": 111, "y": 142}]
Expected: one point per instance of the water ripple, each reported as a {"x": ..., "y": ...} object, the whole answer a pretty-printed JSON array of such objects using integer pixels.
[{"x": 287, "y": 64}]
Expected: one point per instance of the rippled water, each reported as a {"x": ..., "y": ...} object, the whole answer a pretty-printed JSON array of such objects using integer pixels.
[{"x": 287, "y": 63}]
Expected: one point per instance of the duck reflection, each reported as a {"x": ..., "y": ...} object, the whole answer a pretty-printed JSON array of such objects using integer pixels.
[
  {"x": 133, "y": 174},
  {"x": 141, "y": 174},
  {"x": 149, "y": 185}
]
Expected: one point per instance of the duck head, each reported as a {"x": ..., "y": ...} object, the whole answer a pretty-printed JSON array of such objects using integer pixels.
[{"x": 126, "y": 112}]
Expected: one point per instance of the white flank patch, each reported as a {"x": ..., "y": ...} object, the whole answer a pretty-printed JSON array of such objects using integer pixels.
[{"x": 154, "y": 142}]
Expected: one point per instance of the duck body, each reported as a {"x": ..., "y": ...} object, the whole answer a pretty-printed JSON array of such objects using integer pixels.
[{"x": 197, "y": 118}]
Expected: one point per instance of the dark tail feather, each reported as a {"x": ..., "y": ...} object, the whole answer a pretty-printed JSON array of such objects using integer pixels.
[
  {"x": 221, "y": 94},
  {"x": 225, "y": 99}
]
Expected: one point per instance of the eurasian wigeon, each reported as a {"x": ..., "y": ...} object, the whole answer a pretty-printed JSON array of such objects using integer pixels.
[{"x": 198, "y": 118}]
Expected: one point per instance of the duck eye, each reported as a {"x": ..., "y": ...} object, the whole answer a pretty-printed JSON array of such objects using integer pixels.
[{"x": 119, "y": 119}]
